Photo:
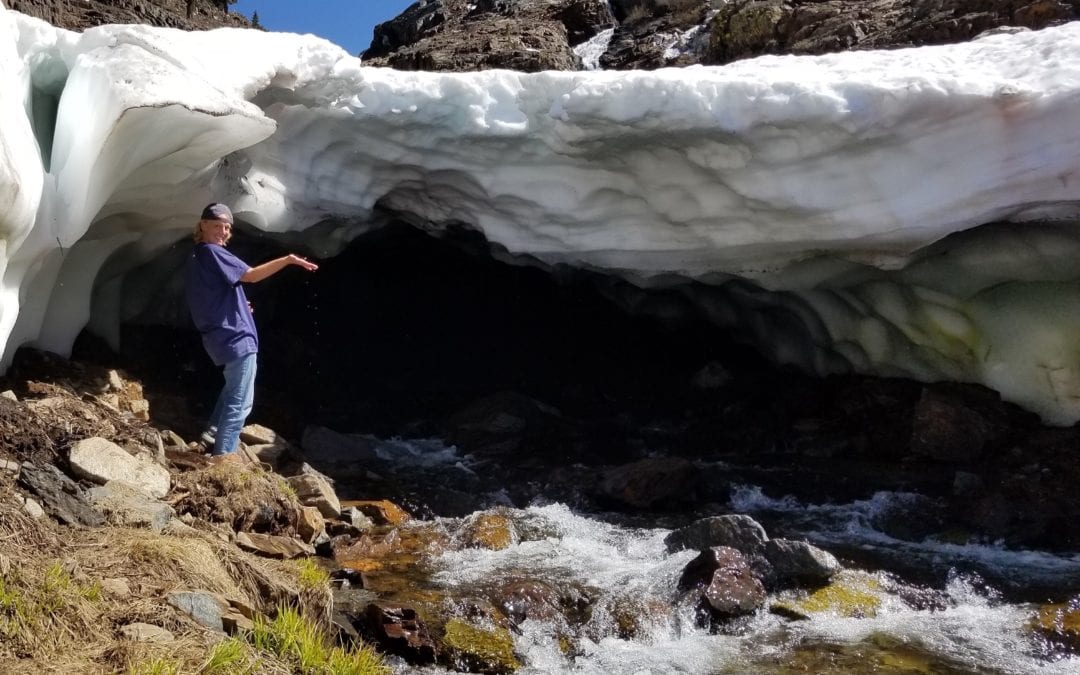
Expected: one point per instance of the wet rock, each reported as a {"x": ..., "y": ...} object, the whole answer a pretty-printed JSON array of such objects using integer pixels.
[
  {"x": 737, "y": 531},
  {"x": 206, "y": 608},
  {"x": 100, "y": 461},
  {"x": 314, "y": 491},
  {"x": 501, "y": 423},
  {"x": 382, "y": 512},
  {"x": 273, "y": 546},
  {"x": 127, "y": 506},
  {"x": 799, "y": 562},
  {"x": 146, "y": 632},
  {"x": 649, "y": 482},
  {"x": 947, "y": 430},
  {"x": 492, "y": 531},
  {"x": 398, "y": 630},
  {"x": 480, "y": 649},
  {"x": 61, "y": 497},
  {"x": 849, "y": 594},
  {"x": 722, "y": 579},
  {"x": 521, "y": 599},
  {"x": 1059, "y": 624}
]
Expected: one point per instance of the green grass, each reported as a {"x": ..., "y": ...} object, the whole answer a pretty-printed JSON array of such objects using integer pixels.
[
  {"x": 292, "y": 638},
  {"x": 155, "y": 666},
  {"x": 311, "y": 575},
  {"x": 231, "y": 657}
]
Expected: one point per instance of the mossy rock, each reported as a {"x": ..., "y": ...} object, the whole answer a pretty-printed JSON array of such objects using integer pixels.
[
  {"x": 1059, "y": 623},
  {"x": 850, "y": 594},
  {"x": 486, "y": 650}
]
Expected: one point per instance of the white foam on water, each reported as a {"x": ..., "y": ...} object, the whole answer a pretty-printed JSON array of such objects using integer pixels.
[
  {"x": 592, "y": 49},
  {"x": 419, "y": 452}
]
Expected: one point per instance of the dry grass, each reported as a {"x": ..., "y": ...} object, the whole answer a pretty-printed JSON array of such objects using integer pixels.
[
  {"x": 246, "y": 499},
  {"x": 55, "y": 618}
]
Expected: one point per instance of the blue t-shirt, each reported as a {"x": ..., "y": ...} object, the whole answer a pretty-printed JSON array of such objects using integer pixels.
[{"x": 218, "y": 304}]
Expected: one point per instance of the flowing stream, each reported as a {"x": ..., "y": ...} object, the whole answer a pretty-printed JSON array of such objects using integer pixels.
[{"x": 983, "y": 595}]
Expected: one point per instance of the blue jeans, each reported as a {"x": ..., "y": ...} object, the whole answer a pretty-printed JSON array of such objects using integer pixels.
[{"x": 233, "y": 404}]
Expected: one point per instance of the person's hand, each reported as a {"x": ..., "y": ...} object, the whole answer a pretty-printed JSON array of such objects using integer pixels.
[
  {"x": 301, "y": 262},
  {"x": 251, "y": 307}
]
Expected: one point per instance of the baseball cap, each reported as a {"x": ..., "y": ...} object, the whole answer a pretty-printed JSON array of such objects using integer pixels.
[{"x": 217, "y": 212}]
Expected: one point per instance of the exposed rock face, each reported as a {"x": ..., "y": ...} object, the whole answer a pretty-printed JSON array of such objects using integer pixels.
[
  {"x": 457, "y": 35},
  {"x": 746, "y": 28},
  {"x": 531, "y": 35},
  {"x": 83, "y": 14}
]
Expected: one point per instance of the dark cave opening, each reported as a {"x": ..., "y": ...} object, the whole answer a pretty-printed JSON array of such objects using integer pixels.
[{"x": 402, "y": 328}]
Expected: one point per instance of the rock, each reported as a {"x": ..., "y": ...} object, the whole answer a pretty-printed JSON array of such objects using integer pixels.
[
  {"x": 850, "y": 594},
  {"x": 270, "y": 453},
  {"x": 947, "y": 430},
  {"x": 356, "y": 518},
  {"x": 483, "y": 650},
  {"x": 1059, "y": 623},
  {"x": 172, "y": 439},
  {"x": 178, "y": 528},
  {"x": 398, "y": 630},
  {"x": 126, "y": 506},
  {"x": 61, "y": 497},
  {"x": 492, "y": 531},
  {"x": 146, "y": 632},
  {"x": 206, "y": 608},
  {"x": 314, "y": 491},
  {"x": 310, "y": 524},
  {"x": 339, "y": 454},
  {"x": 33, "y": 509},
  {"x": 116, "y": 587},
  {"x": 737, "y": 531},
  {"x": 256, "y": 434},
  {"x": 100, "y": 461},
  {"x": 9, "y": 467},
  {"x": 799, "y": 562},
  {"x": 235, "y": 622},
  {"x": 722, "y": 577},
  {"x": 382, "y": 512},
  {"x": 273, "y": 546},
  {"x": 521, "y": 599},
  {"x": 649, "y": 482},
  {"x": 9, "y": 395}
]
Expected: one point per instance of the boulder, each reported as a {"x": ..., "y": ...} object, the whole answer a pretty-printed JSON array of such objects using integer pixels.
[
  {"x": 126, "y": 506},
  {"x": 492, "y": 531},
  {"x": 799, "y": 562},
  {"x": 100, "y": 461},
  {"x": 723, "y": 583},
  {"x": 946, "y": 430},
  {"x": 737, "y": 531},
  {"x": 382, "y": 511},
  {"x": 482, "y": 649},
  {"x": 649, "y": 482},
  {"x": 313, "y": 490},
  {"x": 61, "y": 497},
  {"x": 205, "y": 607},
  {"x": 1058, "y": 623},
  {"x": 850, "y": 594}
]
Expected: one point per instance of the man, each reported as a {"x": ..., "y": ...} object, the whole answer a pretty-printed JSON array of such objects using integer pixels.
[{"x": 223, "y": 317}]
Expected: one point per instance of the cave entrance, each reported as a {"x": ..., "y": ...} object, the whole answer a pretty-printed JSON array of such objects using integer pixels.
[{"x": 402, "y": 328}]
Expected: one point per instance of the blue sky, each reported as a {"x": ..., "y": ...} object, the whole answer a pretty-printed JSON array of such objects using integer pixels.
[{"x": 347, "y": 22}]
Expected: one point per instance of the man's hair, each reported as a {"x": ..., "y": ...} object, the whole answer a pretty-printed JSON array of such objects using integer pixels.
[{"x": 212, "y": 212}]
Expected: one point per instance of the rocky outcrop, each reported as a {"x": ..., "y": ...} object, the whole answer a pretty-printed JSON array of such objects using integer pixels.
[
  {"x": 82, "y": 14},
  {"x": 531, "y": 35},
  {"x": 457, "y": 35}
]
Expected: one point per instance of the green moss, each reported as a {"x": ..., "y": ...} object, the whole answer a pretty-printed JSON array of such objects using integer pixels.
[
  {"x": 491, "y": 650},
  {"x": 849, "y": 595}
]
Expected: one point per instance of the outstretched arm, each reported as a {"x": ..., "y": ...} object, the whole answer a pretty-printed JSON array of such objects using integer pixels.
[{"x": 269, "y": 269}]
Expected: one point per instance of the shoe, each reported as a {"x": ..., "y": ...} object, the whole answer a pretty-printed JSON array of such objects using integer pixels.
[
  {"x": 228, "y": 458},
  {"x": 207, "y": 438}
]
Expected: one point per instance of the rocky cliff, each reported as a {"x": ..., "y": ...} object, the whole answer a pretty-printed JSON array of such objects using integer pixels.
[
  {"x": 82, "y": 14},
  {"x": 532, "y": 35}
]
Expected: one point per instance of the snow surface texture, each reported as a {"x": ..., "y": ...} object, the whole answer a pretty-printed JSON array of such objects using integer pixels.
[{"x": 801, "y": 201}]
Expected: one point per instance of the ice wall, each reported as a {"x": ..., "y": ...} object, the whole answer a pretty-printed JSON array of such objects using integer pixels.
[{"x": 804, "y": 202}]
